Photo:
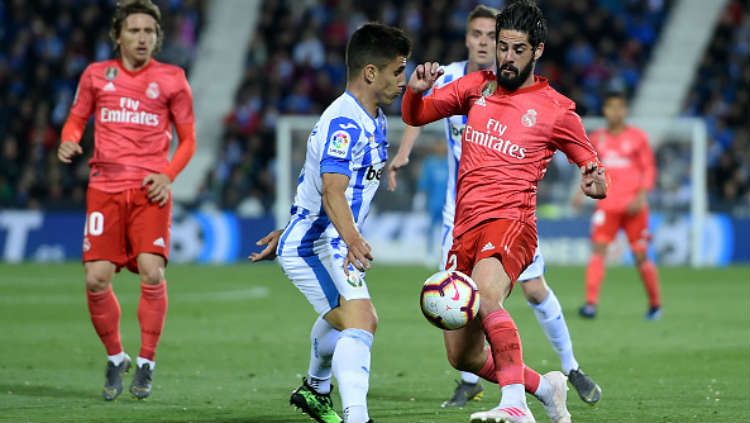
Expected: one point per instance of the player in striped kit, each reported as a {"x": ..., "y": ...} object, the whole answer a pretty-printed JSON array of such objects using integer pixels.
[
  {"x": 322, "y": 250},
  {"x": 480, "y": 42}
]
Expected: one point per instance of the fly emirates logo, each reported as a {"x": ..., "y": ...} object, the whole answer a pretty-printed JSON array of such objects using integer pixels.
[
  {"x": 492, "y": 137},
  {"x": 129, "y": 113}
]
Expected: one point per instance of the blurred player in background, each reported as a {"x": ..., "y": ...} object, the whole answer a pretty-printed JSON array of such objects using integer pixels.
[
  {"x": 322, "y": 250},
  {"x": 480, "y": 42},
  {"x": 135, "y": 101},
  {"x": 626, "y": 153},
  {"x": 515, "y": 122}
]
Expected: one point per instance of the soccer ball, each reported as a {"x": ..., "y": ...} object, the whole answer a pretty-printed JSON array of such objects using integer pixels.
[{"x": 450, "y": 299}]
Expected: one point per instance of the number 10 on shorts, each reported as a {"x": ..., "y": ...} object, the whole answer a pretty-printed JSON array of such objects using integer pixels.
[{"x": 94, "y": 224}]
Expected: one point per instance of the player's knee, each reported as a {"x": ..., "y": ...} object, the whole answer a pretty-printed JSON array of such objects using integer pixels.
[
  {"x": 97, "y": 281},
  {"x": 461, "y": 361},
  {"x": 152, "y": 275}
]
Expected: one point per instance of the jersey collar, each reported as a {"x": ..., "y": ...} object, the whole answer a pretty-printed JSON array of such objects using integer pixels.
[{"x": 134, "y": 73}]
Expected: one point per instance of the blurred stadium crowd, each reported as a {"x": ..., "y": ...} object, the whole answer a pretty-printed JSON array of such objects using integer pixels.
[{"x": 294, "y": 65}]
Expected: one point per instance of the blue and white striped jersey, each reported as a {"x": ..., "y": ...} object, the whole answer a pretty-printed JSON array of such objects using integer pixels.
[
  {"x": 454, "y": 129},
  {"x": 348, "y": 141}
]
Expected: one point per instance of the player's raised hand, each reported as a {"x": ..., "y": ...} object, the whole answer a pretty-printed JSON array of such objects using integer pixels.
[
  {"x": 359, "y": 255},
  {"x": 594, "y": 181},
  {"x": 396, "y": 164},
  {"x": 424, "y": 76},
  {"x": 271, "y": 241},
  {"x": 159, "y": 187},
  {"x": 67, "y": 150}
]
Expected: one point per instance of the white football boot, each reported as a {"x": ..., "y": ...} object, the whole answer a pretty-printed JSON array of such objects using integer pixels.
[
  {"x": 503, "y": 415},
  {"x": 556, "y": 406}
]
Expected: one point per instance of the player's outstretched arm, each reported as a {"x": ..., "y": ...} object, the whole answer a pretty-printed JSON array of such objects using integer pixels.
[
  {"x": 594, "y": 181},
  {"x": 271, "y": 241},
  {"x": 411, "y": 133},
  {"x": 338, "y": 210}
]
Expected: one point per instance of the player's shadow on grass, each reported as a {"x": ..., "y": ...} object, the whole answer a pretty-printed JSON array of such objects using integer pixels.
[{"x": 45, "y": 391}]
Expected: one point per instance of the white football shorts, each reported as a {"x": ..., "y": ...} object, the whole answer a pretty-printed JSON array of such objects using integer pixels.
[{"x": 321, "y": 277}]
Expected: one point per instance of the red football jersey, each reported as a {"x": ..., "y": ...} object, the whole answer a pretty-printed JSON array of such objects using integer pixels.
[
  {"x": 134, "y": 113},
  {"x": 508, "y": 142},
  {"x": 630, "y": 163}
]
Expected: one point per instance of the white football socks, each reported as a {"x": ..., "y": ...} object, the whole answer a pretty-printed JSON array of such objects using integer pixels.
[
  {"x": 470, "y": 378},
  {"x": 118, "y": 358},
  {"x": 323, "y": 339},
  {"x": 550, "y": 317},
  {"x": 140, "y": 361},
  {"x": 351, "y": 366},
  {"x": 513, "y": 396}
]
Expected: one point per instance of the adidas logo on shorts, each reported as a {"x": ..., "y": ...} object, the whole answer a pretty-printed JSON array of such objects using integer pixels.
[
  {"x": 160, "y": 242},
  {"x": 488, "y": 246}
]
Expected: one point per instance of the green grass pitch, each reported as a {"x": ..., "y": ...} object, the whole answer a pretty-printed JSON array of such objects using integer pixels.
[{"x": 237, "y": 342}]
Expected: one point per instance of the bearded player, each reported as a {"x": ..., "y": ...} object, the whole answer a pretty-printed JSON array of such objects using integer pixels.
[
  {"x": 480, "y": 42},
  {"x": 135, "y": 101},
  {"x": 630, "y": 161},
  {"x": 515, "y": 122}
]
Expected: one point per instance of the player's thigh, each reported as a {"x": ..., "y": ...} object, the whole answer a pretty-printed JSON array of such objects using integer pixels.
[
  {"x": 505, "y": 249},
  {"x": 604, "y": 226},
  {"x": 462, "y": 346},
  {"x": 104, "y": 228},
  {"x": 147, "y": 227},
  {"x": 636, "y": 229}
]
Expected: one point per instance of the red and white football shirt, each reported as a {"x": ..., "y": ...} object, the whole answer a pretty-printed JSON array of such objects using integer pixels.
[
  {"x": 508, "y": 142},
  {"x": 133, "y": 117},
  {"x": 630, "y": 163}
]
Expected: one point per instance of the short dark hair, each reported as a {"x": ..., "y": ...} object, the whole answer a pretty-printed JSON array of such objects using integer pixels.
[
  {"x": 126, "y": 8},
  {"x": 523, "y": 16},
  {"x": 609, "y": 95},
  {"x": 482, "y": 11},
  {"x": 377, "y": 44}
]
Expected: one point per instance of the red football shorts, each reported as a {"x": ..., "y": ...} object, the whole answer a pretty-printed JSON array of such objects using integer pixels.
[
  {"x": 121, "y": 225},
  {"x": 512, "y": 242},
  {"x": 606, "y": 223}
]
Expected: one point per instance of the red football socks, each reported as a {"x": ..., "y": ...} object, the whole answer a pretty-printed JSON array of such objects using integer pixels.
[
  {"x": 594, "y": 276},
  {"x": 152, "y": 311},
  {"x": 105, "y": 315},
  {"x": 650, "y": 278},
  {"x": 503, "y": 336},
  {"x": 531, "y": 378}
]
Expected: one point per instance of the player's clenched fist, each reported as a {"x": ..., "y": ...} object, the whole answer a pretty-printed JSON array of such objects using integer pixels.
[
  {"x": 594, "y": 181},
  {"x": 67, "y": 150},
  {"x": 424, "y": 76}
]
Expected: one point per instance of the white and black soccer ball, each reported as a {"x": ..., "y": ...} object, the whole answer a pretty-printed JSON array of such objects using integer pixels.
[{"x": 449, "y": 299}]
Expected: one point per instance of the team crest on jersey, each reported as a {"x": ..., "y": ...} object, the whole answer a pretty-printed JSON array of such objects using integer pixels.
[
  {"x": 529, "y": 119},
  {"x": 110, "y": 73},
  {"x": 339, "y": 144},
  {"x": 373, "y": 144},
  {"x": 152, "y": 91},
  {"x": 489, "y": 88}
]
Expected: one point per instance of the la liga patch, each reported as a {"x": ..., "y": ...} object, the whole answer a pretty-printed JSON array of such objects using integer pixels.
[{"x": 339, "y": 144}]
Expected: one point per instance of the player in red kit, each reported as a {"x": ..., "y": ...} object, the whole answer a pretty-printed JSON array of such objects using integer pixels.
[
  {"x": 135, "y": 101},
  {"x": 625, "y": 151},
  {"x": 515, "y": 122}
]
